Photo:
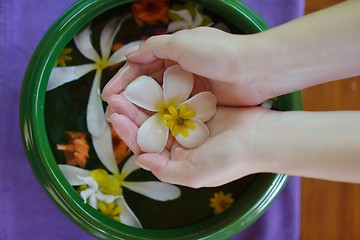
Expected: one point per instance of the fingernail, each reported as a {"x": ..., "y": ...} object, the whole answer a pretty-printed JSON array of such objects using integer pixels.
[
  {"x": 131, "y": 50},
  {"x": 142, "y": 166}
]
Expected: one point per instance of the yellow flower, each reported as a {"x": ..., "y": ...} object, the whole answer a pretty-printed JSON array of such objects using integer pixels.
[
  {"x": 178, "y": 120},
  {"x": 174, "y": 109},
  {"x": 220, "y": 201},
  {"x": 109, "y": 184},
  {"x": 63, "y": 57},
  {"x": 111, "y": 210}
]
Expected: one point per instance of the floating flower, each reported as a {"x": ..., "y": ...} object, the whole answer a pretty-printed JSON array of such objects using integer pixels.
[
  {"x": 95, "y": 118},
  {"x": 220, "y": 202},
  {"x": 63, "y": 57},
  {"x": 98, "y": 185},
  {"x": 76, "y": 151},
  {"x": 150, "y": 11},
  {"x": 111, "y": 210},
  {"x": 187, "y": 18},
  {"x": 102, "y": 186},
  {"x": 83, "y": 42},
  {"x": 173, "y": 110}
]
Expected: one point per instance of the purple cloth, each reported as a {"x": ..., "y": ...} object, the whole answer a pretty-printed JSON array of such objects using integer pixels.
[{"x": 26, "y": 212}]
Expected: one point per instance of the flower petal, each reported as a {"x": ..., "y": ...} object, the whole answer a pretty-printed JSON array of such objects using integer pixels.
[
  {"x": 178, "y": 85},
  {"x": 91, "y": 182},
  {"x": 176, "y": 26},
  {"x": 198, "y": 18},
  {"x": 89, "y": 193},
  {"x": 196, "y": 137},
  {"x": 108, "y": 34},
  {"x": 204, "y": 104},
  {"x": 104, "y": 150},
  {"x": 107, "y": 198},
  {"x": 267, "y": 104},
  {"x": 62, "y": 75},
  {"x": 93, "y": 201},
  {"x": 127, "y": 216},
  {"x": 95, "y": 117},
  {"x": 153, "y": 134},
  {"x": 155, "y": 190},
  {"x": 185, "y": 15},
  {"x": 74, "y": 175},
  {"x": 99, "y": 128},
  {"x": 129, "y": 166},
  {"x": 83, "y": 43},
  {"x": 119, "y": 55},
  {"x": 145, "y": 92}
]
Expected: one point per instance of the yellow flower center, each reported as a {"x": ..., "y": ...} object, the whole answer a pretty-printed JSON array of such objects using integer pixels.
[
  {"x": 101, "y": 64},
  {"x": 109, "y": 184},
  {"x": 111, "y": 210},
  {"x": 178, "y": 120},
  {"x": 63, "y": 57}
]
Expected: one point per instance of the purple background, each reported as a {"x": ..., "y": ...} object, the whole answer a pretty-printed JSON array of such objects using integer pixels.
[{"x": 26, "y": 212}]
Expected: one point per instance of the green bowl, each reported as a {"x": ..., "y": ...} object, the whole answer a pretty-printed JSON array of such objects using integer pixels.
[{"x": 47, "y": 114}]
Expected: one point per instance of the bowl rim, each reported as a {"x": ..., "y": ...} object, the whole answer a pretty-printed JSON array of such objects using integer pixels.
[{"x": 40, "y": 156}]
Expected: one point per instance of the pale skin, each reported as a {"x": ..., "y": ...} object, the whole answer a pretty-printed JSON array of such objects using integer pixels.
[{"x": 243, "y": 71}]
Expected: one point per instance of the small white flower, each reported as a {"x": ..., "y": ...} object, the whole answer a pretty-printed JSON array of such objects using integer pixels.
[
  {"x": 174, "y": 111},
  {"x": 152, "y": 189},
  {"x": 187, "y": 20},
  {"x": 93, "y": 194}
]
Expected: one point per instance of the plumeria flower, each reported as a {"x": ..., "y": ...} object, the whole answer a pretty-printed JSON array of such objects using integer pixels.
[
  {"x": 187, "y": 19},
  {"x": 95, "y": 118},
  {"x": 100, "y": 185},
  {"x": 107, "y": 187},
  {"x": 83, "y": 42},
  {"x": 173, "y": 110}
]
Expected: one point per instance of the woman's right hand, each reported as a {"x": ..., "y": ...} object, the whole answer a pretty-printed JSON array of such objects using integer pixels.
[{"x": 222, "y": 63}]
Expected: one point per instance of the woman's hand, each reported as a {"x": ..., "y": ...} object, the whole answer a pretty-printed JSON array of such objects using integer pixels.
[
  {"x": 227, "y": 155},
  {"x": 223, "y": 63}
]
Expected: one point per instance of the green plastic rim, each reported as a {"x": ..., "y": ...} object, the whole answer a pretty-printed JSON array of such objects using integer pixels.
[{"x": 45, "y": 167}]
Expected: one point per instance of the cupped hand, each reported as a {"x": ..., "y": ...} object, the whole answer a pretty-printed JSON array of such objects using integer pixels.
[
  {"x": 220, "y": 61},
  {"x": 228, "y": 154}
]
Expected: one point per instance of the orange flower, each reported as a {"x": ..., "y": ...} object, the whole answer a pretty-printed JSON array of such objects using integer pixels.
[
  {"x": 121, "y": 150},
  {"x": 77, "y": 150},
  {"x": 151, "y": 11}
]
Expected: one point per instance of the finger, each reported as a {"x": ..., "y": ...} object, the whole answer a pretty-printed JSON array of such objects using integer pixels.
[
  {"x": 126, "y": 130},
  {"x": 155, "y": 47},
  {"x": 174, "y": 172},
  {"x": 119, "y": 104},
  {"x": 126, "y": 74},
  {"x": 108, "y": 113},
  {"x": 150, "y": 50}
]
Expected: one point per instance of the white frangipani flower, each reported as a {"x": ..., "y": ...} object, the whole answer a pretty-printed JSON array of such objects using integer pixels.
[
  {"x": 83, "y": 42},
  {"x": 100, "y": 185},
  {"x": 174, "y": 111},
  {"x": 105, "y": 187},
  {"x": 187, "y": 22},
  {"x": 95, "y": 117}
]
